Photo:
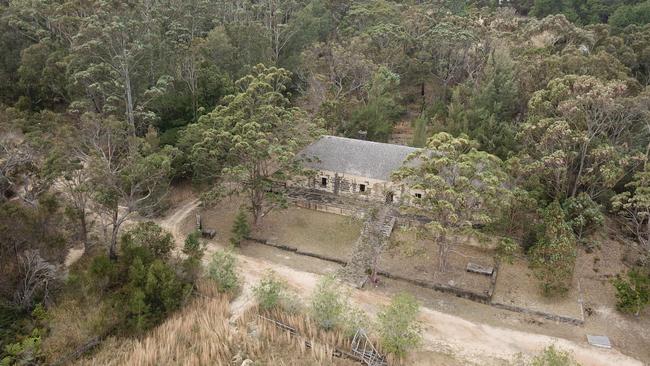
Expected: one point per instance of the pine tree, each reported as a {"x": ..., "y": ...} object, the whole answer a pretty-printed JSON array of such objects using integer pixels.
[{"x": 240, "y": 228}]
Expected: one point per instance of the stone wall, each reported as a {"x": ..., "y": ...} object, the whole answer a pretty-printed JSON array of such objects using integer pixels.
[{"x": 351, "y": 185}]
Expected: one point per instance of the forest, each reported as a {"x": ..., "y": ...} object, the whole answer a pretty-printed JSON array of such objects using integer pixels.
[{"x": 106, "y": 106}]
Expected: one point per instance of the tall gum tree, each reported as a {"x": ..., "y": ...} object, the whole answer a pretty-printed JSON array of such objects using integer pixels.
[
  {"x": 633, "y": 207},
  {"x": 252, "y": 139},
  {"x": 460, "y": 186},
  {"x": 109, "y": 61},
  {"x": 126, "y": 175},
  {"x": 582, "y": 135}
]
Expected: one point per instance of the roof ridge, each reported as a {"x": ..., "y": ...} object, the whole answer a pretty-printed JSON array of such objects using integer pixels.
[
  {"x": 370, "y": 142},
  {"x": 361, "y": 158}
]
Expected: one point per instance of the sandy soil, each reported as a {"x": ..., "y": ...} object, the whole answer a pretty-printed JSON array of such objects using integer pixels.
[{"x": 450, "y": 337}]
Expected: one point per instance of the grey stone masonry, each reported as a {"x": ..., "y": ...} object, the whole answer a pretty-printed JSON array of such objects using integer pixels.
[{"x": 374, "y": 236}]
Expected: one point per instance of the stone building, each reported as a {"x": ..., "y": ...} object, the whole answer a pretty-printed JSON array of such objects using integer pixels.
[{"x": 356, "y": 168}]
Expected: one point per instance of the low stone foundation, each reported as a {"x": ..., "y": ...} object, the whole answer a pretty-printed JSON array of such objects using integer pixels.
[
  {"x": 296, "y": 250},
  {"x": 484, "y": 298},
  {"x": 549, "y": 316},
  {"x": 336, "y": 205},
  {"x": 329, "y": 208}
]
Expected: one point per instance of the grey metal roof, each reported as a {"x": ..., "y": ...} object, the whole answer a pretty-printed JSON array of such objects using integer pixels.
[{"x": 356, "y": 157}]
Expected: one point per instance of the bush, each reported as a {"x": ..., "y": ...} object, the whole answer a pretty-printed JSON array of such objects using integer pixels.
[
  {"x": 194, "y": 250},
  {"x": 192, "y": 246},
  {"x": 553, "y": 256},
  {"x": 328, "y": 303},
  {"x": 269, "y": 291},
  {"x": 148, "y": 241},
  {"x": 354, "y": 319},
  {"x": 25, "y": 352},
  {"x": 103, "y": 274},
  {"x": 506, "y": 250},
  {"x": 632, "y": 292},
  {"x": 152, "y": 293},
  {"x": 552, "y": 356},
  {"x": 222, "y": 269},
  {"x": 583, "y": 214},
  {"x": 145, "y": 285},
  {"x": 21, "y": 334},
  {"x": 398, "y": 326},
  {"x": 240, "y": 228}
]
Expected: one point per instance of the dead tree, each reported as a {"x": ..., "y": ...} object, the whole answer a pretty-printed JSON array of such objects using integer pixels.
[{"x": 36, "y": 275}]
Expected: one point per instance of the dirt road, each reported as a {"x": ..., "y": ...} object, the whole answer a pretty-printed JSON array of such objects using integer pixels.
[
  {"x": 469, "y": 342},
  {"x": 172, "y": 222}
]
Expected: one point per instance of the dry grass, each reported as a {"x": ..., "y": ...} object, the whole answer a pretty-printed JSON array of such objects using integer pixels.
[
  {"x": 72, "y": 324},
  {"x": 311, "y": 231},
  {"x": 416, "y": 257},
  {"x": 518, "y": 286},
  {"x": 200, "y": 334}
]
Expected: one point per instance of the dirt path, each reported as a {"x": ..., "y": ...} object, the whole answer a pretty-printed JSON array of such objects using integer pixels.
[
  {"x": 472, "y": 342},
  {"x": 173, "y": 222},
  {"x": 73, "y": 256}
]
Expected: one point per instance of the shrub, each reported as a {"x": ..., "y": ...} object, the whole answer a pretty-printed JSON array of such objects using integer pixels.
[
  {"x": 102, "y": 274},
  {"x": 398, "y": 327},
  {"x": 583, "y": 214},
  {"x": 194, "y": 250},
  {"x": 269, "y": 291},
  {"x": 192, "y": 246},
  {"x": 328, "y": 303},
  {"x": 290, "y": 303},
  {"x": 552, "y": 356},
  {"x": 25, "y": 352},
  {"x": 506, "y": 250},
  {"x": 240, "y": 228},
  {"x": 632, "y": 292},
  {"x": 163, "y": 289},
  {"x": 222, "y": 269},
  {"x": 354, "y": 319},
  {"x": 152, "y": 293},
  {"x": 148, "y": 241}
]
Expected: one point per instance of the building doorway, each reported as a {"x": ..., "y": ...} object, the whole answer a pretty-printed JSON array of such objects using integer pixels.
[{"x": 389, "y": 196}]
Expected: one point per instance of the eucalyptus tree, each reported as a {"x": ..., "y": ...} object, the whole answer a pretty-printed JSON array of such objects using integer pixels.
[
  {"x": 447, "y": 52},
  {"x": 338, "y": 79},
  {"x": 252, "y": 139},
  {"x": 460, "y": 187},
  {"x": 29, "y": 162},
  {"x": 126, "y": 174},
  {"x": 633, "y": 207},
  {"x": 182, "y": 27},
  {"x": 340, "y": 69},
  {"x": 109, "y": 62},
  {"x": 277, "y": 17},
  {"x": 581, "y": 135}
]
